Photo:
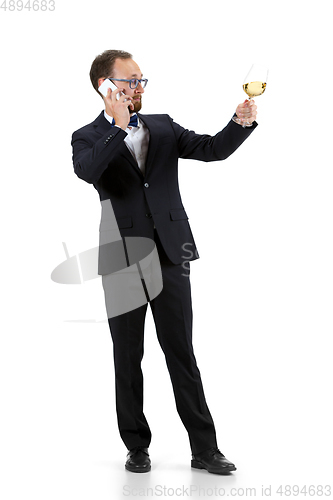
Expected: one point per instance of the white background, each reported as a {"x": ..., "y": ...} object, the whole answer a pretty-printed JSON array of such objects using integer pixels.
[{"x": 262, "y": 288}]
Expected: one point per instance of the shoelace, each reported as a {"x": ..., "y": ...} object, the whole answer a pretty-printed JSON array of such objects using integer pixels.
[
  {"x": 215, "y": 451},
  {"x": 211, "y": 452},
  {"x": 140, "y": 448}
]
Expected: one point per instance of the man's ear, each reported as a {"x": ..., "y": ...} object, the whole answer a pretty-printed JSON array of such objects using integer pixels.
[{"x": 100, "y": 81}]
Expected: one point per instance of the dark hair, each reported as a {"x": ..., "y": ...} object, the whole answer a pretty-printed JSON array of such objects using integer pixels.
[{"x": 103, "y": 64}]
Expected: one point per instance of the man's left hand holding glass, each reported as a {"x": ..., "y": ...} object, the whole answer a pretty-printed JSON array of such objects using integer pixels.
[{"x": 247, "y": 112}]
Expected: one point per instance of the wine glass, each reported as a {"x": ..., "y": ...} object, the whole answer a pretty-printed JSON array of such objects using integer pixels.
[{"x": 254, "y": 84}]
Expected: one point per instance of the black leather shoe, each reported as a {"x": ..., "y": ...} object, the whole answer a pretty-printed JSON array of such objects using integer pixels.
[
  {"x": 138, "y": 460},
  {"x": 213, "y": 461}
]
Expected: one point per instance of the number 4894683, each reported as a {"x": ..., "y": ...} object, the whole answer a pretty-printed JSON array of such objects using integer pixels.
[{"x": 35, "y": 5}]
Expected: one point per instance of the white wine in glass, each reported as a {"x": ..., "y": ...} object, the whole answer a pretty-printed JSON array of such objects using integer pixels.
[{"x": 254, "y": 84}]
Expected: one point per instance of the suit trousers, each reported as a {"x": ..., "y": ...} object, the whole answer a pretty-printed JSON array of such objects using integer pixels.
[{"x": 172, "y": 314}]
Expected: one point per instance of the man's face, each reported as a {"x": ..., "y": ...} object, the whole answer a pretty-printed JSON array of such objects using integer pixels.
[{"x": 128, "y": 69}]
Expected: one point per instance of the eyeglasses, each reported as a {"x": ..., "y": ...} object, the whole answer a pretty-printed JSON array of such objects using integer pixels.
[{"x": 132, "y": 83}]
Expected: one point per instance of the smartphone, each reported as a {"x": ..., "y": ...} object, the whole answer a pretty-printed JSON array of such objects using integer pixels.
[{"x": 107, "y": 84}]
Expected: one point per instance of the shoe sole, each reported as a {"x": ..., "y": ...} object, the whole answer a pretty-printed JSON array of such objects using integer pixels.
[
  {"x": 226, "y": 470},
  {"x": 137, "y": 469}
]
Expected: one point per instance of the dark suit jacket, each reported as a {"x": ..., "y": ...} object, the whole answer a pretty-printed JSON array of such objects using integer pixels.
[{"x": 139, "y": 202}]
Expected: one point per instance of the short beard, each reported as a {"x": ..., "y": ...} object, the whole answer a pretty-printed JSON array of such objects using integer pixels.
[{"x": 137, "y": 106}]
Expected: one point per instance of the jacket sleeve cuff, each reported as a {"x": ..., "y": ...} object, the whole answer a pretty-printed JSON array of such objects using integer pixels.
[{"x": 236, "y": 120}]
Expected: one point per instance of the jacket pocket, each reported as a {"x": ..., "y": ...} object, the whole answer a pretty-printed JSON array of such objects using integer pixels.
[{"x": 178, "y": 214}]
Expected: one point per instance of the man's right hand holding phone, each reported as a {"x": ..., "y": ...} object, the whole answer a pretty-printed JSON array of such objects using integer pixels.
[{"x": 120, "y": 108}]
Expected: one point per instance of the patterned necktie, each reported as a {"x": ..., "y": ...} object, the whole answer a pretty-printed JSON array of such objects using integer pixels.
[{"x": 133, "y": 121}]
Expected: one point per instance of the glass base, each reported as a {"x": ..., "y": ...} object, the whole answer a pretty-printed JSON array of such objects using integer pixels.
[{"x": 240, "y": 122}]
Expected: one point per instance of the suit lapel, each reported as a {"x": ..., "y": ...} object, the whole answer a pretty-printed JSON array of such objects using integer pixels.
[
  {"x": 153, "y": 139},
  {"x": 102, "y": 126}
]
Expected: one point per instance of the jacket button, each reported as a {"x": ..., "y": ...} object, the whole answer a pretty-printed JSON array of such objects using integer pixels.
[
  {"x": 149, "y": 216},
  {"x": 146, "y": 185}
]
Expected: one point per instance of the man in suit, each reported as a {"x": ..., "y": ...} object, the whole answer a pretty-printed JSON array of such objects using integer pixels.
[{"x": 132, "y": 161}]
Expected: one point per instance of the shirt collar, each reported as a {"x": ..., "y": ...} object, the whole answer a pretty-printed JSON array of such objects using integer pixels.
[{"x": 110, "y": 118}]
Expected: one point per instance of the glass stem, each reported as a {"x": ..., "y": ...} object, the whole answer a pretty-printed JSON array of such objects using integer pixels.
[{"x": 247, "y": 123}]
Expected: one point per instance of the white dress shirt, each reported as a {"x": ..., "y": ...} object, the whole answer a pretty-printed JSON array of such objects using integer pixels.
[{"x": 137, "y": 141}]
